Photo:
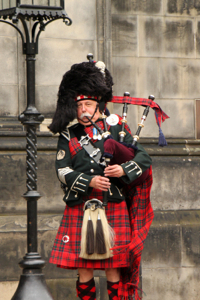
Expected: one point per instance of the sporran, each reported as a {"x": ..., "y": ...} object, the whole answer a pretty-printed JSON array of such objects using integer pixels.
[{"x": 97, "y": 236}]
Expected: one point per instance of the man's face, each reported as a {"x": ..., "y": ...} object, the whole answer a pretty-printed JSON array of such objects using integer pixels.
[{"x": 86, "y": 108}]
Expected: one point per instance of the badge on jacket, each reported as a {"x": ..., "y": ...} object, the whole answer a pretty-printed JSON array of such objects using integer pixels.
[
  {"x": 60, "y": 154},
  {"x": 112, "y": 120}
]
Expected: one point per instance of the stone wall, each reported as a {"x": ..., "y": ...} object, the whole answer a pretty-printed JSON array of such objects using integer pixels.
[{"x": 151, "y": 47}]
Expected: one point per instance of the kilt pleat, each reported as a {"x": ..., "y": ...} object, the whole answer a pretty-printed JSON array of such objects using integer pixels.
[{"x": 66, "y": 248}]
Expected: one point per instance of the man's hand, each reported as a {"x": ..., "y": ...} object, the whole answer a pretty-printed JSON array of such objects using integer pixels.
[
  {"x": 114, "y": 171},
  {"x": 100, "y": 183}
]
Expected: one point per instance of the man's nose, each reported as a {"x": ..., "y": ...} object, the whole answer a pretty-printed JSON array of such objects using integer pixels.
[{"x": 83, "y": 108}]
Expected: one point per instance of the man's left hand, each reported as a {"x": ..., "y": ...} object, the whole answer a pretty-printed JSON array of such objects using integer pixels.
[{"x": 114, "y": 171}]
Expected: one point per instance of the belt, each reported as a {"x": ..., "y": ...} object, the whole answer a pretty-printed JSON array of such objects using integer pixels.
[{"x": 94, "y": 153}]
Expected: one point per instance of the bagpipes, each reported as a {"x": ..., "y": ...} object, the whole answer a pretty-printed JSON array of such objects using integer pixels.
[{"x": 97, "y": 236}]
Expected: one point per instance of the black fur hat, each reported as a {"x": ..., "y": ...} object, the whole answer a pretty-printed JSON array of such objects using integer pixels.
[{"x": 87, "y": 78}]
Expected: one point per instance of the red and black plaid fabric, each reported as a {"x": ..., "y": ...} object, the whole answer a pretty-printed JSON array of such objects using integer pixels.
[
  {"x": 74, "y": 146},
  {"x": 66, "y": 248},
  {"x": 112, "y": 288},
  {"x": 144, "y": 102},
  {"x": 86, "y": 290},
  {"x": 141, "y": 217}
]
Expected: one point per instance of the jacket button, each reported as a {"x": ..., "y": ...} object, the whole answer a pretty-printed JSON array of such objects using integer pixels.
[
  {"x": 92, "y": 161},
  {"x": 92, "y": 170}
]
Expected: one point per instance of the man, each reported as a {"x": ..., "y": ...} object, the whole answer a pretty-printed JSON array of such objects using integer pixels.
[{"x": 83, "y": 93}]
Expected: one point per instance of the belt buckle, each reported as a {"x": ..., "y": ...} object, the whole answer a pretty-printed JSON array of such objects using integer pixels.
[
  {"x": 95, "y": 152},
  {"x": 93, "y": 204},
  {"x": 84, "y": 140}
]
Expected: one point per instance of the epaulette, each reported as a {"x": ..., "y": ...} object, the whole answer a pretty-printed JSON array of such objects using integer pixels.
[{"x": 66, "y": 134}]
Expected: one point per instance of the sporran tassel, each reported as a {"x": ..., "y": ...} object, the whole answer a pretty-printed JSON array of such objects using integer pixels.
[
  {"x": 109, "y": 234},
  {"x": 90, "y": 237},
  {"x": 84, "y": 234},
  {"x": 97, "y": 237},
  {"x": 100, "y": 240}
]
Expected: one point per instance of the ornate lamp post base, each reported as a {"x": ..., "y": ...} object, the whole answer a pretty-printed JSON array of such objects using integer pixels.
[{"x": 32, "y": 284}]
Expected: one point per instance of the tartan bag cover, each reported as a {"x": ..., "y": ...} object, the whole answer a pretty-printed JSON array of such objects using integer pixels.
[{"x": 141, "y": 217}]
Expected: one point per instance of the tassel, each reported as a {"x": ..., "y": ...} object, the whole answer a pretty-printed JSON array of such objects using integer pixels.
[
  {"x": 161, "y": 141},
  {"x": 90, "y": 237},
  {"x": 100, "y": 240}
]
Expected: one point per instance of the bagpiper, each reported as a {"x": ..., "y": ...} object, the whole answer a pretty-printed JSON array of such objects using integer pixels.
[{"x": 108, "y": 211}]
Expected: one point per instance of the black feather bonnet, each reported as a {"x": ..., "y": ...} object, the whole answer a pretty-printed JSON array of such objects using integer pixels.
[{"x": 86, "y": 78}]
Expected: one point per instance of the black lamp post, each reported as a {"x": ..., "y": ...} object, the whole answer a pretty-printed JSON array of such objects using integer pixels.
[{"x": 32, "y": 285}]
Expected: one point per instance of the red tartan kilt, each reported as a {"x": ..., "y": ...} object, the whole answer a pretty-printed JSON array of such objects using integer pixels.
[{"x": 66, "y": 248}]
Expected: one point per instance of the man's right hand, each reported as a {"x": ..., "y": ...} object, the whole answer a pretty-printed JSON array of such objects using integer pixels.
[{"x": 100, "y": 183}]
